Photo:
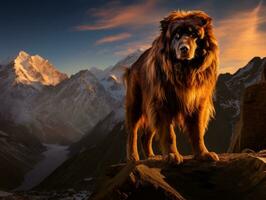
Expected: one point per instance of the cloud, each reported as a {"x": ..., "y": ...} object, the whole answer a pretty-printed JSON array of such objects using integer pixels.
[
  {"x": 144, "y": 42},
  {"x": 241, "y": 38},
  {"x": 131, "y": 47},
  {"x": 113, "y": 38},
  {"x": 116, "y": 15}
]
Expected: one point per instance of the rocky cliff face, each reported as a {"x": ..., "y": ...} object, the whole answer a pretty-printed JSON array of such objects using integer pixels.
[
  {"x": 229, "y": 90},
  {"x": 250, "y": 130}
]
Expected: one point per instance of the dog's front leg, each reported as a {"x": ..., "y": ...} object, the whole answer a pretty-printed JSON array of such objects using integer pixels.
[
  {"x": 196, "y": 125},
  {"x": 168, "y": 143}
]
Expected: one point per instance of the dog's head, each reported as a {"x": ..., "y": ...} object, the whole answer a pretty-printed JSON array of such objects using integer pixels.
[{"x": 185, "y": 33}]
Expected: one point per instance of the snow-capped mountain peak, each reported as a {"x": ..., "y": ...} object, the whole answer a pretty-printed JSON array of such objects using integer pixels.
[
  {"x": 22, "y": 56},
  {"x": 36, "y": 70},
  {"x": 111, "y": 77}
]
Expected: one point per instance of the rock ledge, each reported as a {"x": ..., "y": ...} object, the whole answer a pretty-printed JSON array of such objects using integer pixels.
[{"x": 235, "y": 176}]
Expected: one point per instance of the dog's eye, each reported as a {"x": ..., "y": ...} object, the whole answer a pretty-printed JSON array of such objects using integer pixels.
[{"x": 177, "y": 36}]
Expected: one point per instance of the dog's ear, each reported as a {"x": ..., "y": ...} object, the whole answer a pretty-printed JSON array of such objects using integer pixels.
[
  {"x": 164, "y": 24},
  {"x": 202, "y": 18},
  {"x": 205, "y": 21}
]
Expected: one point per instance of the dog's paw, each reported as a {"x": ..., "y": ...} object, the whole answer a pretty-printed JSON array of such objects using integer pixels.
[
  {"x": 133, "y": 157},
  {"x": 207, "y": 156},
  {"x": 151, "y": 157},
  {"x": 175, "y": 158}
]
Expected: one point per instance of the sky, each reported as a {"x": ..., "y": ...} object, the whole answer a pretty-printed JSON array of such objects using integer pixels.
[{"x": 79, "y": 34}]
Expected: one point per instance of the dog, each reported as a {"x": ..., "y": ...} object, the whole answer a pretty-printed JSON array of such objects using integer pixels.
[{"x": 172, "y": 85}]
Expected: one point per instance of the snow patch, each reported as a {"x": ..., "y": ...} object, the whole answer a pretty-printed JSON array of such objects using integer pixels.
[
  {"x": 88, "y": 179},
  {"x": 112, "y": 77},
  {"x": 235, "y": 104}
]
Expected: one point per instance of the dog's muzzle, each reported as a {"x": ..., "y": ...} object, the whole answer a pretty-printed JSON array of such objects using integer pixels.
[{"x": 184, "y": 48}]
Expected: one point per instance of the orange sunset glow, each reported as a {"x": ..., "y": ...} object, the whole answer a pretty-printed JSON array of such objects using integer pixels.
[{"x": 239, "y": 37}]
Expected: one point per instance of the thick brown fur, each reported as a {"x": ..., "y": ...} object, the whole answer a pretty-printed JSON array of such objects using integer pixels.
[{"x": 162, "y": 93}]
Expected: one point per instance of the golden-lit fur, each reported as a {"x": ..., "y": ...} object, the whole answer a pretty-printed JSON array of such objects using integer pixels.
[{"x": 163, "y": 93}]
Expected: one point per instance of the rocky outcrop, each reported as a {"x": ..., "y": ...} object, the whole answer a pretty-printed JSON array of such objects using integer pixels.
[
  {"x": 235, "y": 176},
  {"x": 250, "y": 131}
]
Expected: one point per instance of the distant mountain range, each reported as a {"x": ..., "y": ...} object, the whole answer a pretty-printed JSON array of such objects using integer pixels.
[{"x": 53, "y": 107}]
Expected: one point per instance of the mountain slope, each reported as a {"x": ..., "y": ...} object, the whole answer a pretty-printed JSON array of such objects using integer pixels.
[
  {"x": 71, "y": 108},
  {"x": 19, "y": 151},
  {"x": 88, "y": 163}
]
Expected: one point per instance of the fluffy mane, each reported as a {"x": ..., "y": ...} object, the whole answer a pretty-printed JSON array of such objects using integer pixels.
[{"x": 160, "y": 52}]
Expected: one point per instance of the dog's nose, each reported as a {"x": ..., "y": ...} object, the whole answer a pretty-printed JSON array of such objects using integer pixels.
[{"x": 184, "y": 48}]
